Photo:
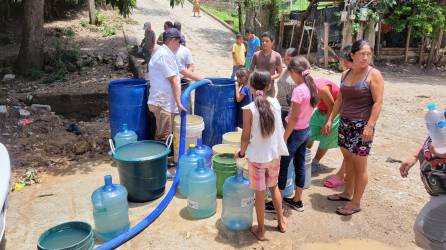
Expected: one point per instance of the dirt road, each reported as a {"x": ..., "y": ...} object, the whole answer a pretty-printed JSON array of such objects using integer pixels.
[{"x": 389, "y": 207}]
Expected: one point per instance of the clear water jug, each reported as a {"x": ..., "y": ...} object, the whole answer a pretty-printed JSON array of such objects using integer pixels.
[
  {"x": 187, "y": 163},
  {"x": 110, "y": 210},
  {"x": 439, "y": 137},
  {"x": 205, "y": 152},
  {"x": 238, "y": 202},
  {"x": 432, "y": 117},
  {"x": 125, "y": 136},
  {"x": 202, "y": 198}
]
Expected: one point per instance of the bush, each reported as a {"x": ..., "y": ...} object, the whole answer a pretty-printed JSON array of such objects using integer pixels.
[
  {"x": 108, "y": 31},
  {"x": 100, "y": 18}
]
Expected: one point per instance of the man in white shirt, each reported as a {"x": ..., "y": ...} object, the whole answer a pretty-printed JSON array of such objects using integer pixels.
[{"x": 164, "y": 92}]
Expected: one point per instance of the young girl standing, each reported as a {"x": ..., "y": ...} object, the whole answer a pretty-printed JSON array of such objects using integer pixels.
[
  {"x": 304, "y": 99},
  {"x": 243, "y": 94},
  {"x": 262, "y": 141}
]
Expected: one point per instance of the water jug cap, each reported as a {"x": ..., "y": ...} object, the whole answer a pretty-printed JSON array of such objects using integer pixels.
[
  {"x": 431, "y": 106},
  {"x": 125, "y": 127},
  {"x": 442, "y": 124},
  {"x": 192, "y": 145}
]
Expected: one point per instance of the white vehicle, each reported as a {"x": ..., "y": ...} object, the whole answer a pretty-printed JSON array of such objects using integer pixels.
[{"x": 5, "y": 178}]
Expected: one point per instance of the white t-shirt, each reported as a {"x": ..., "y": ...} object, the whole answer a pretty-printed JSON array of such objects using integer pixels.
[
  {"x": 263, "y": 150},
  {"x": 184, "y": 57},
  {"x": 163, "y": 65}
]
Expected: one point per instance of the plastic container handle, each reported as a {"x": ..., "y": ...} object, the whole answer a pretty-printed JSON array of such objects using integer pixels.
[
  {"x": 112, "y": 146},
  {"x": 169, "y": 140}
]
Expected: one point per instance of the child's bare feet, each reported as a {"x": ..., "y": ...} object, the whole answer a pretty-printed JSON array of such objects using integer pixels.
[
  {"x": 259, "y": 234},
  {"x": 282, "y": 226}
]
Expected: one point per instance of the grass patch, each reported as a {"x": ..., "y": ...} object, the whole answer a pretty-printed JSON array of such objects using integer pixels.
[{"x": 224, "y": 15}]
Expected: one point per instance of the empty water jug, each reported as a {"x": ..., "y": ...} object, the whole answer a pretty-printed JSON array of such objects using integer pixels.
[
  {"x": 238, "y": 202},
  {"x": 439, "y": 137},
  {"x": 110, "y": 210},
  {"x": 433, "y": 116},
  {"x": 125, "y": 136},
  {"x": 202, "y": 198},
  {"x": 205, "y": 152},
  {"x": 187, "y": 163}
]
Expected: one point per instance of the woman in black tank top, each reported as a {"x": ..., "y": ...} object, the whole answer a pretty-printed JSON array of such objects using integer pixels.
[{"x": 359, "y": 105}]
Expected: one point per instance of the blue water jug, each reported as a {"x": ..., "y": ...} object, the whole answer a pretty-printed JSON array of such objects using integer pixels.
[
  {"x": 205, "y": 152},
  {"x": 110, "y": 210},
  {"x": 238, "y": 202},
  {"x": 202, "y": 198},
  {"x": 187, "y": 163},
  {"x": 125, "y": 136}
]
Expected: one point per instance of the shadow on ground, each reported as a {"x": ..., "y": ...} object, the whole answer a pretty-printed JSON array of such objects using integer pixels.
[{"x": 236, "y": 239}]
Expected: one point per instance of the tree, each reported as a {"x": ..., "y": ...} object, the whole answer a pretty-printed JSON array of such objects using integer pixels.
[
  {"x": 30, "y": 57},
  {"x": 426, "y": 18},
  {"x": 92, "y": 11}
]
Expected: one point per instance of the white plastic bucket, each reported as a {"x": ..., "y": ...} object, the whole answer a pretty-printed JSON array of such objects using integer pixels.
[
  {"x": 194, "y": 130},
  {"x": 233, "y": 138}
]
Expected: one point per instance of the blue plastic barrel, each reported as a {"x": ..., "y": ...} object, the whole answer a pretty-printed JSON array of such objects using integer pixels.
[
  {"x": 216, "y": 104},
  {"x": 127, "y": 100}
]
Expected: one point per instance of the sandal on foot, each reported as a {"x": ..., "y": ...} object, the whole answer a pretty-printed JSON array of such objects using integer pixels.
[
  {"x": 255, "y": 232},
  {"x": 337, "y": 197},
  {"x": 333, "y": 182},
  {"x": 347, "y": 211}
]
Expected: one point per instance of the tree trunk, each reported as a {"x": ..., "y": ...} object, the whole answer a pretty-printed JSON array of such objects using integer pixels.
[
  {"x": 92, "y": 11},
  {"x": 420, "y": 58},
  {"x": 30, "y": 57},
  {"x": 240, "y": 18},
  {"x": 436, "y": 41},
  {"x": 406, "y": 52}
]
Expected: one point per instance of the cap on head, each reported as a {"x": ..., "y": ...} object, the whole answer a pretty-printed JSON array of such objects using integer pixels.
[
  {"x": 147, "y": 25},
  {"x": 172, "y": 33}
]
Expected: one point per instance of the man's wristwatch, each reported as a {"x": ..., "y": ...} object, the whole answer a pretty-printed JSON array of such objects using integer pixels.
[{"x": 240, "y": 155}]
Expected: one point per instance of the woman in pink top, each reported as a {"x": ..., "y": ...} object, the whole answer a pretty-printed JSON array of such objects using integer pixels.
[{"x": 304, "y": 99}]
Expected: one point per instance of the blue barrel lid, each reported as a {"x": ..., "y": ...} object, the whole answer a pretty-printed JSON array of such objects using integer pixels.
[{"x": 141, "y": 151}]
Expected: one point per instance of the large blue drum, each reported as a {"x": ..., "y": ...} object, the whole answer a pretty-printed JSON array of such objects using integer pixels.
[
  {"x": 127, "y": 100},
  {"x": 216, "y": 104}
]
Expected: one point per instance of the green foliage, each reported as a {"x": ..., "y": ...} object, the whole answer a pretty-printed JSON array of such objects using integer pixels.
[
  {"x": 69, "y": 32},
  {"x": 100, "y": 18},
  {"x": 125, "y": 7},
  {"x": 84, "y": 23},
  {"x": 423, "y": 15},
  {"x": 59, "y": 60},
  {"x": 108, "y": 31},
  {"x": 225, "y": 15}
]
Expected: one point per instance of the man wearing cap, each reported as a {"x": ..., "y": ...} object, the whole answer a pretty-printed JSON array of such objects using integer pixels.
[
  {"x": 164, "y": 75},
  {"x": 148, "y": 43}
]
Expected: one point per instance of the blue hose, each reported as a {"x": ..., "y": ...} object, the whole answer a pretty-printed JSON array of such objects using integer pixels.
[{"x": 121, "y": 239}]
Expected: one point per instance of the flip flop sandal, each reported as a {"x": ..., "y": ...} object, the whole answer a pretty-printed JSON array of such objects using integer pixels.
[
  {"x": 347, "y": 212},
  {"x": 337, "y": 197},
  {"x": 333, "y": 182}
]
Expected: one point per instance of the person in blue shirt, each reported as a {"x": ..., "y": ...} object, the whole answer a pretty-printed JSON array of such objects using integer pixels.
[
  {"x": 243, "y": 95},
  {"x": 253, "y": 46}
]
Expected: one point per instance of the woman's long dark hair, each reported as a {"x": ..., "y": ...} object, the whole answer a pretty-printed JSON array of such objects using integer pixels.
[
  {"x": 298, "y": 65},
  {"x": 260, "y": 81}
]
